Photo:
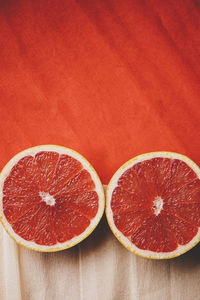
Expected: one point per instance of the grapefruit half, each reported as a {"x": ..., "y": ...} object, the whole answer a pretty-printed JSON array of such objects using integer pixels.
[
  {"x": 153, "y": 205},
  {"x": 51, "y": 198}
]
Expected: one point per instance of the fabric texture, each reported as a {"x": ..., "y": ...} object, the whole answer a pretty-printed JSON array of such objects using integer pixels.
[{"x": 111, "y": 80}]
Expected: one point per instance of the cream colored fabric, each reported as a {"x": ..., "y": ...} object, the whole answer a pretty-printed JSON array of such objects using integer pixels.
[{"x": 100, "y": 268}]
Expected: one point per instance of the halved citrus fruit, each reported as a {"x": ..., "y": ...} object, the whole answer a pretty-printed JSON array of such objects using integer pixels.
[
  {"x": 50, "y": 198},
  {"x": 153, "y": 204}
]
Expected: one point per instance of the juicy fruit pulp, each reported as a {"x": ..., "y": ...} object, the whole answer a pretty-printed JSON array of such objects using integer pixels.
[
  {"x": 49, "y": 198},
  {"x": 156, "y": 204}
]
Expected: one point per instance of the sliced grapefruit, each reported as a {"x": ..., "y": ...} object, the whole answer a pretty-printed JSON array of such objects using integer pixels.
[
  {"x": 153, "y": 205},
  {"x": 50, "y": 198}
]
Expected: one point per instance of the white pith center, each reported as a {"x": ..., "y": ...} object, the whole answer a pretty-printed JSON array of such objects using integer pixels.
[
  {"x": 157, "y": 205},
  {"x": 47, "y": 198}
]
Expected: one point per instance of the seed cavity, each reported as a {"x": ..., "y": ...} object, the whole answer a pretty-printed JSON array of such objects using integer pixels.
[
  {"x": 157, "y": 205},
  {"x": 46, "y": 197}
]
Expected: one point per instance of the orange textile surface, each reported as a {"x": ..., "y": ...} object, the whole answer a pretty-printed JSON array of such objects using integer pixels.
[{"x": 110, "y": 79}]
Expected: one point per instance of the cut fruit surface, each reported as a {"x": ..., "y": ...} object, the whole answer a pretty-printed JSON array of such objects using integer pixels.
[
  {"x": 153, "y": 204},
  {"x": 50, "y": 198}
]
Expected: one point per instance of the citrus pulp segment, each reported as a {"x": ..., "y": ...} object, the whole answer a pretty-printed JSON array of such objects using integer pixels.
[
  {"x": 153, "y": 204},
  {"x": 50, "y": 198}
]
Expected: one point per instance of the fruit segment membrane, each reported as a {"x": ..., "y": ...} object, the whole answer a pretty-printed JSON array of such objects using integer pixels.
[
  {"x": 49, "y": 198},
  {"x": 156, "y": 204}
]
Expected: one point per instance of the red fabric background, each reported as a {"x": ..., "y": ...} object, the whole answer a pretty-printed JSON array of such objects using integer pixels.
[{"x": 110, "y": 79}]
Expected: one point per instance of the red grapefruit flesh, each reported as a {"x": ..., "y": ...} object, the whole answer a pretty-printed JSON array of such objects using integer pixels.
[
  {"x": 51, "y": 198},
  {"x": 153, "y": 204}
]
